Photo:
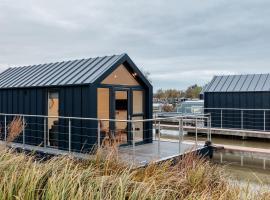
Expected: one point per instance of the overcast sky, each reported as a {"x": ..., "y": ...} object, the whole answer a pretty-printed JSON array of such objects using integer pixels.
[{"x": 179, "y": 42}]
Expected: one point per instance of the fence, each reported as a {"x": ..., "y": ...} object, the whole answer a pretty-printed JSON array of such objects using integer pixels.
[
  {"x": 81, "y": 135},
  {"x": 237, "y": 118}
]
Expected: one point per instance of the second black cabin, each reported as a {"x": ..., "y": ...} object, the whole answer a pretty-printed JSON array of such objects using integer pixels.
[{"x": 239, "y": 101}]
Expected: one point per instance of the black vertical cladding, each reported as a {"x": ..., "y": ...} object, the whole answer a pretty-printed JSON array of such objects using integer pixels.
[
  {"x": 149, "y": 113},
  {"x": 33, "y": 111},
  {"x": 41, "y": 105},
  {"x": 28, "y": 121},
  {"x": 92, "y": 133},
  {"x": 252, "y": 119},
  {"x": 87, "y": 102},
  {"x": 76, "y": 123}
]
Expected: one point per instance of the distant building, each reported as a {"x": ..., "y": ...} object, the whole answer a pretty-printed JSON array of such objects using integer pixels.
[{"x": 191, "y": 107}]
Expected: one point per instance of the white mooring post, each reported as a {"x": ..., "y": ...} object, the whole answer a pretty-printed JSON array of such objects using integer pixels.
[
  {"x": 159, "y": 138},
  {"x": 69, "y": 135},
  {"x": 264, "y": 121},
  {"x": 23, "y": 132},
  {"x": 5, "y": 128},
  {"x": 264, "y": 164},
  {"x": 221, "y": 158},
  {"x": 45, "y": 133},
  {"x": 99, "y": 133}
]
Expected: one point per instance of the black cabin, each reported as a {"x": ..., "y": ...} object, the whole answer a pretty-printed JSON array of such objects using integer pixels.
[
  {"x": 109, "y": 87},
  {"x": 239, "y": 101}
]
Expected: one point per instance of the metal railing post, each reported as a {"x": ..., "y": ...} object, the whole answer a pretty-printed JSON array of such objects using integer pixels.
[
  {"x": 221, "y": 119},
  {"x": 133, "y": 142},
  {"x": 99, "y": 133},
  {"x": 69, "y": 135},
  {"x": 159, "y": 139},
  {"x": 196, "y": 132},
  {"x": 155, "y": 127},
  {"x": 45, "y": 133},
  {"x": 180, "y": 133},
  {"x": 242, "y": 119},
  {"x": 5, "y": 128},
  {"x": 210, "y": 128},
  {"x": 182, "y": 128},
  {"x": 23, "y": 132},
  {"x": 264, "y": 120}
]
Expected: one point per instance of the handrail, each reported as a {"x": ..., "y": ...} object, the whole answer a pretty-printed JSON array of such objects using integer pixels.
[{"x": 112, "y": 120}]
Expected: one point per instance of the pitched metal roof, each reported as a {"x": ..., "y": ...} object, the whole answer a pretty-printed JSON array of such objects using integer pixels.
[
  {"x": 239, "y": 83},
  {"x": 76, "y": 72}
]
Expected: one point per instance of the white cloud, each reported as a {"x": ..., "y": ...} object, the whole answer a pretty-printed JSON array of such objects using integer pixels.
[{"x": 180, "y": 43}]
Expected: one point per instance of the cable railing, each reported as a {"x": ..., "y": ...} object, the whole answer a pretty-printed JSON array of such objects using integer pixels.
[
  {"x": 233, "y": 118},
  {"x": 238, "y": 118},
  {"x": 137, "y": 139}
]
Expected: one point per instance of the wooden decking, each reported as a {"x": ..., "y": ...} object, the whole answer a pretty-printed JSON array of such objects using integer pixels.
[
  {"x": 221, "y": 131},
  {"x": 140, "y": 155}
]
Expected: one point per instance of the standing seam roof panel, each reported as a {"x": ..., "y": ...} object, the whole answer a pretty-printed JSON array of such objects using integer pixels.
[
  {"x": 50, "y": 70},
  {"x": 5, "y": 75},
  {"x": 94, "y": 65},
  {"x": 240, "y": 83},
  {"x": 208, "y": 86},
  {"x": 21, "y": 72},
  {"x": 81, "y": 72},
  {"x": 214, "y": 84},
  {"x": 266, "y": 86},
  {"x": 247, "y": 82},
  {"x": 97, "y": 66},
  {"x": 65, "y": 73},
  {"x": 261, "y": 82},
  {"x": 94, "y": 70},
  {"x": 10, "y": 76},
  {"x": 58, "y": 75},
  {"x": 45, "y": 75},
  {"x": 78, "y": 69},
  {"x": 62, "y": 79},
  {"x": 84, "y": 71},
  {"x": 226, "y": 84},
  {"x": 221, "y": 83},
  {"x": 254, "y": 82},
  {"x": 29, "y": 77},
  {"x": 101, "y": 70}
]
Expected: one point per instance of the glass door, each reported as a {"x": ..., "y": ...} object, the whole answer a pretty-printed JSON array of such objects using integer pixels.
[
  {"x": 138, "y": 114},
  {"x": 121, "y": 112},
  {"x": 53, "y": 121}
]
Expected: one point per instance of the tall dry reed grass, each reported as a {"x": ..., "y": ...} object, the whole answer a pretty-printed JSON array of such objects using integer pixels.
[
  {"x": 15, "y": 128},
  {"x": 106, "y": 177}
]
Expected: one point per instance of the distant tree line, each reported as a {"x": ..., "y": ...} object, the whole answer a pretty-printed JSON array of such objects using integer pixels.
[{"x": 191, "y": 92}]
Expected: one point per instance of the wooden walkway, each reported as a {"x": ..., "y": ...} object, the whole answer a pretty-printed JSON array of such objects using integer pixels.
[{"x": 220, "y": 131}]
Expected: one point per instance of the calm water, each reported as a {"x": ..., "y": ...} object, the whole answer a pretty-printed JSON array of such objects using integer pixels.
[
  {"x": 251, "y": 174},
  {"x": 228, "y": 140}
]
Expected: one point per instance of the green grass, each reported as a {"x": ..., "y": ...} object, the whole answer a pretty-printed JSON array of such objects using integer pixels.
[{"x": 106, "y": 177}]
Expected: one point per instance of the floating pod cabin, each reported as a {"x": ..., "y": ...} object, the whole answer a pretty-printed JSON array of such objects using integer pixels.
[
  {"x": 239, "y": 101},
  {"x": 110, "y": 87}
]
